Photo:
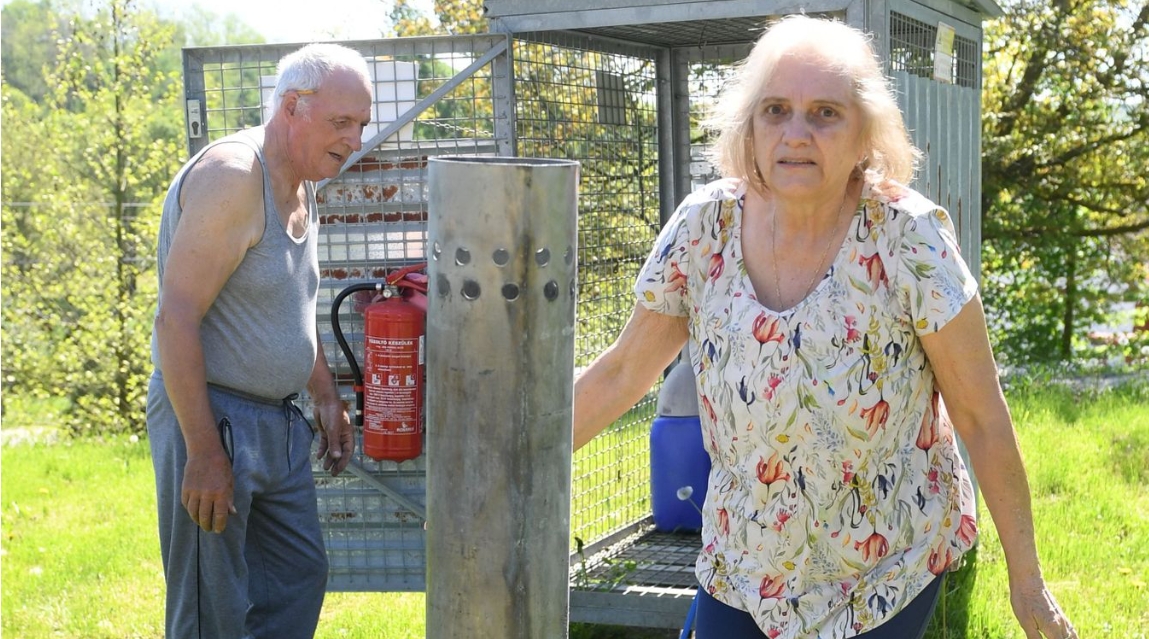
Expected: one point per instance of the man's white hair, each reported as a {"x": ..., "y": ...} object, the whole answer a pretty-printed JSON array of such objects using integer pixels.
[{"x": 307, "y": 68}]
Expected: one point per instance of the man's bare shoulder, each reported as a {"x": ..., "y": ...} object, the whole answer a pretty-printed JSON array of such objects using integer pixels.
[
  {"x": 225, "y": 189},
  {"x": 226, "y": 173},
  {"x": 232, "y": 163}
]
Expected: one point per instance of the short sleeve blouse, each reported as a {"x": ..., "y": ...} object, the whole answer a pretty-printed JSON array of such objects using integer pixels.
[{"x": 836, "y": 494}]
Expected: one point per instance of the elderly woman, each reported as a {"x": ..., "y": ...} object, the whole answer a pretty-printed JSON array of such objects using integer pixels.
[{"x": 828, "y": 312}]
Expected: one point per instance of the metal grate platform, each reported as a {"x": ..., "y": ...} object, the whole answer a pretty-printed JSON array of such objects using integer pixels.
[
  {"x": 648, "y": 559},
  {"x": 639, "y": 577}
]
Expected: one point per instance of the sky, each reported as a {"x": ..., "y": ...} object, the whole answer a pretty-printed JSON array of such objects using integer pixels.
[
  {"x": 291, "y": 20},
  {"x": 295, "y": 20}
]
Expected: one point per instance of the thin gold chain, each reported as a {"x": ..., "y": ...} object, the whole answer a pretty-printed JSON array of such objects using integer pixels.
[{"x": 818, "y": 268}]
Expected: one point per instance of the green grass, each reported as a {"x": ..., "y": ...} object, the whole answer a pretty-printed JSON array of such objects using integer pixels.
[
  {"x": 1087, "y": 457},
  {"x": 80, "y": 552},
  {"x": 80, "y": 556}
]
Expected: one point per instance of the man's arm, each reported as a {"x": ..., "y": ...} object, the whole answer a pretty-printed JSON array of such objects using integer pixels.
[
  {"x": 222, "y": 217},
  {"x": 336, "y": 440}
]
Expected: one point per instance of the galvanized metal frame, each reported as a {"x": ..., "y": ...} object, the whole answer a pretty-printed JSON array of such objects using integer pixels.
[
  {"x": 374, "y": 218},
  {"x": 945, "y": 123},
  {"x": 410, "y": 115},
  {"x": 373, "y": 515},
  {"x": 619, "y": 495},
  {"x": 949, "y": 137}
]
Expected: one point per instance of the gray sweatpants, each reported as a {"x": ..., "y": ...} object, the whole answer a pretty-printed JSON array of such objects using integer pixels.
[{"x": 266, "y": 574}]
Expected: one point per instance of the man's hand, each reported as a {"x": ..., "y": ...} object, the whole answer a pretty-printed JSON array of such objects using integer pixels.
[
  {"x": 336, "y": 440},
  {"x": 208, "y": 489}
]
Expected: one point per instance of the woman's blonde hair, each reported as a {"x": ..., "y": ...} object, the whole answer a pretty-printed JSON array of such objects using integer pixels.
[{"x": 890, "y": 154}]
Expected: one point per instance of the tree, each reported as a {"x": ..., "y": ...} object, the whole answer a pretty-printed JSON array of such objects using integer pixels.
[
  {"x": 455, "y": 17},
  {"x": 595, "y": 107},
  {"x": 28, "y": 44},
  {"x": 1065, "y": 147},
  {"x": 42, "y": 241},
  {"x": 198, "y": 27},
  {"x": 78, "y": 252}
]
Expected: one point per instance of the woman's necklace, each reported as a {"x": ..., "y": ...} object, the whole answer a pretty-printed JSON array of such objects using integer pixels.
[{"x": 818, "y": 270}]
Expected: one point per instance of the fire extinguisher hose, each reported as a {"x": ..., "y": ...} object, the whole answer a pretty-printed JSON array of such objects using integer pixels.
[{"x": 355, "y": 372}]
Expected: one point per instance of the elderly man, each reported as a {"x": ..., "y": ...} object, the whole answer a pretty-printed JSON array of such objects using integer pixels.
[{"x": 234, "y": 342}]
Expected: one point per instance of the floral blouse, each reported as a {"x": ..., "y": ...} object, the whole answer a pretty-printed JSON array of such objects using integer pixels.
[{"x": 835, "y": 494}]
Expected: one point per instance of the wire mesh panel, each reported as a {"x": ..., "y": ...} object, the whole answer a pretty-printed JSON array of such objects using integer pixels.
[
  {"x": 705, "y": 70},
  {"x": 375, "y": 221},
  {"x": 949, "y": 136},
  {"x": 652, "y": 572},
  {"x": 594, "y": 102},
  {"x": 627, "y": 104},
  {"x": 433, "y": 96},
  {"x": 913, "y": 49}
]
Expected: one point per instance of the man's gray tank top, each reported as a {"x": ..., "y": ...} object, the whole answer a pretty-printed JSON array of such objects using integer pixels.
[{"x": 259, "y": 335}]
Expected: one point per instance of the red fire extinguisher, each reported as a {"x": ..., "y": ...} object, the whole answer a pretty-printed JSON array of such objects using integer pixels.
[{"x": 389, "y": 389}]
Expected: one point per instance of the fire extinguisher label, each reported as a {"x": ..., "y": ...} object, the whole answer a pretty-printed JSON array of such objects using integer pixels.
[{"x": 391, "y": 399}]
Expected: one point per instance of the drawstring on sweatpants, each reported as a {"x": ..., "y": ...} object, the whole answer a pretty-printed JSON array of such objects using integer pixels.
[{"x": 289, "y": 412}]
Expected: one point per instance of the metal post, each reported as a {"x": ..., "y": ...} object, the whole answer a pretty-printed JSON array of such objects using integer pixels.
[{"x": 500, "y": 375}]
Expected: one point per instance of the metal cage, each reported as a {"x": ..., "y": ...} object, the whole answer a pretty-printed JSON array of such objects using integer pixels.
[{"x": 619, "y": 86}]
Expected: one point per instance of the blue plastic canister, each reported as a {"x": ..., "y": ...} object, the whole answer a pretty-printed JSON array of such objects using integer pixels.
[{"x": 679, "y": 464}]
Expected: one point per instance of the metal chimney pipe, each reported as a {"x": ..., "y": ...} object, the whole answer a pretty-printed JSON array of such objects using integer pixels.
[{"x": 500, "y": 377}]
